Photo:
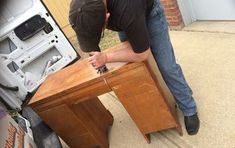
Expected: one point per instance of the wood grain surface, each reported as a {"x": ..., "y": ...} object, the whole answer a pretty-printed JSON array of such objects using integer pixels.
[{"x": 72, "y": 93}]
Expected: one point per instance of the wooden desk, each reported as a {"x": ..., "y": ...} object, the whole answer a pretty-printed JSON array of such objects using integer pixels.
[{"x": 68, "y": 103}]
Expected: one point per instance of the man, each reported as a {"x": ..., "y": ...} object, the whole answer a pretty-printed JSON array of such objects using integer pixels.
[{"x": 143, "y": 24}]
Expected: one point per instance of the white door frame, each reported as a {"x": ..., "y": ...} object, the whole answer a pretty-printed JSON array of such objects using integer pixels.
[
  {"x": 187, "y": 11},
  {"x": 190, "y": 13}
]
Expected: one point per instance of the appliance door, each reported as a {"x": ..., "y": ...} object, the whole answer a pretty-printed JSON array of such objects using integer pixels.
[{"x": 31, "y": 47}]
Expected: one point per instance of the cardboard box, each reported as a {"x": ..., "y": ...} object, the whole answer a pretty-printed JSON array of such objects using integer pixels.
[{"x": 11, "y": 135}]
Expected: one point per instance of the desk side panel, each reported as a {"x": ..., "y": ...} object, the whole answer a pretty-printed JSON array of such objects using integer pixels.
[
  {"x": 66, "y": 124},
  {"x": 142, "y": 100}
]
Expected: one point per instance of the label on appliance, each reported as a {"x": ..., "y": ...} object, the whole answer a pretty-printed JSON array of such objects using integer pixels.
[{"x": 12, "y": 135}]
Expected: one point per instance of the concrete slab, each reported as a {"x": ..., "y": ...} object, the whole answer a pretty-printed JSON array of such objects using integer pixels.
[
  {"x": 208, "y": 63},
  {"x": 207, "y": 58},
  {"x": 212, "y": 26}
]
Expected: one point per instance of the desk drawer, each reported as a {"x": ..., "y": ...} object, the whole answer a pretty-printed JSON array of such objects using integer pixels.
[
  {"x": 87, "y": 92},
  {"x": 74, "y": 96}
]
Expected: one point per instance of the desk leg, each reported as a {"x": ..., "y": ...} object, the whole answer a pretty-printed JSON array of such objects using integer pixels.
[
  {"x": 110, "y": 118},
  {"x": 178, "y": 127},
  {"x": 147, "y": 138}
]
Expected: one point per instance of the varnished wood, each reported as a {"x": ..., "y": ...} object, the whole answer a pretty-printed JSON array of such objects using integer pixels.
[
  {"x": 139, "y": 95},
  {"x": 72, "y": 89},
  {"x": 164, "y": 90},
  {"x": 68, "y": 122},
  {"x": 147, "y": 138},
  {"x": 79, "y": 76}
]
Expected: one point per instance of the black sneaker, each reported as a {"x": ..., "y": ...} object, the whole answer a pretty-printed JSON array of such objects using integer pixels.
[{"x": 192, "y": 124}]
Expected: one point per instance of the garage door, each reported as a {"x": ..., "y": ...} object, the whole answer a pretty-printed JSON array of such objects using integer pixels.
[{"x": 213, "y": 9}]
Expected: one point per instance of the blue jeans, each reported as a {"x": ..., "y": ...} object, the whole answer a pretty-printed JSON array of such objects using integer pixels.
[{"x": 163, "y": 53}]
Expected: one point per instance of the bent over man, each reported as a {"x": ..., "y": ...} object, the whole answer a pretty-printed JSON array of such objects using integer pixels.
[{"x": 143, "y": 24}]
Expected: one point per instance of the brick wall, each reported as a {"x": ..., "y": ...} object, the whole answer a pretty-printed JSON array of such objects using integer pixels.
[{"x": 172, "y": 12}]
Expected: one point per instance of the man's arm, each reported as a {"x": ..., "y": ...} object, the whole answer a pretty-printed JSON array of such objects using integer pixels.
[
  {"x": 127, "y": 55},
  {"x": 98, "y": 59}
]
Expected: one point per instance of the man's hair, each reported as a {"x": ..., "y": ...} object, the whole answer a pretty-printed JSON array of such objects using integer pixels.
[{"x": 87, "y": 17}]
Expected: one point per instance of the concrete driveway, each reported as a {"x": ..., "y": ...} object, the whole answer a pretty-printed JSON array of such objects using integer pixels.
[{"x": 207, "y": 57}]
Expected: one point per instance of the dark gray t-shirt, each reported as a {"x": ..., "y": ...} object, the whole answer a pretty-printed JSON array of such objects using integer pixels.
[{"x": 130, "y": 16}]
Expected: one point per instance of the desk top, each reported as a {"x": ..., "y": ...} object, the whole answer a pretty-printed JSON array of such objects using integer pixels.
[{"x": 76, "y": 76}]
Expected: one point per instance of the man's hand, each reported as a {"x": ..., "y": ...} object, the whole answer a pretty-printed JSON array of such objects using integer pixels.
[
  {"x": 97, "y": 59},
  {"x": 125, "y": 54}
]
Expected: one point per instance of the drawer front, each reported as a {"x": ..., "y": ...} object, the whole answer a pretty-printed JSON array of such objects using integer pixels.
[{"x": 73, "y": 96}]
